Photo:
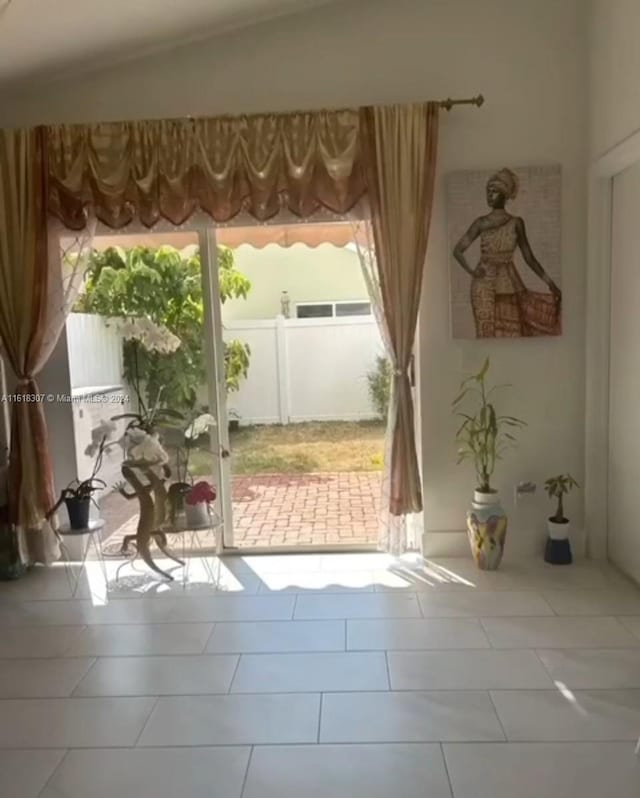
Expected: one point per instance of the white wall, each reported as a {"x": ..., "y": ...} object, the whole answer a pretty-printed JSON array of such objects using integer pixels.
[
  {"x": 614, "y": 125},
  {"x": 624, "y": 449},
  {"x": 529, "y": 59},
  {"x": 614, "y": 69}
]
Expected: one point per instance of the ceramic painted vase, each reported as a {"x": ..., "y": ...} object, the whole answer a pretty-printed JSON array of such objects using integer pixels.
[{"x": 487, "y": 530}]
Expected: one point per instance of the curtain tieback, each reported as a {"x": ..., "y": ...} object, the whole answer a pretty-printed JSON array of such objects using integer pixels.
[{"x": 408, "y": 373}]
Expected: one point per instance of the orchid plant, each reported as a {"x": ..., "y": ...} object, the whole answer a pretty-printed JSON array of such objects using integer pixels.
[
  {"x": 202, "y": 491},
  {"x": 98, "y": 448}
]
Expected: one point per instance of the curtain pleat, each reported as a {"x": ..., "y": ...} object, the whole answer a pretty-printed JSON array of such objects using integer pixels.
[
  {"x": 169, "y": 169},
  {"x": 37, "y": 285},
  {"x": 399, "y": 145}
]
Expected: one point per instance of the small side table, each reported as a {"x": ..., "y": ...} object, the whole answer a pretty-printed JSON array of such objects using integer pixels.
[
  {"x": 93, "y": 530},
  {"x": 214, "y": 524}
]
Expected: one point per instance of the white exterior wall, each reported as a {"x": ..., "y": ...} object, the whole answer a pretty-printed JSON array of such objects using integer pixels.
[{"x": 324, "y": 273}]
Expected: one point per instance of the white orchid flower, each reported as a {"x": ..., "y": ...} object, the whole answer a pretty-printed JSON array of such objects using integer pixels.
[{"x": 200, "y": 425}]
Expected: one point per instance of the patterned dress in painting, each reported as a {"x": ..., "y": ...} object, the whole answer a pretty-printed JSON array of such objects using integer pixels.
[{"x": 502, "y": 305}]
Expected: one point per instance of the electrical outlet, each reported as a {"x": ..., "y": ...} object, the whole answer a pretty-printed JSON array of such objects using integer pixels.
[{"x": 524, "y": 489}]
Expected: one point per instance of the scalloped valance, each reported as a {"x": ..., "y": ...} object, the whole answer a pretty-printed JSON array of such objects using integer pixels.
[{"x": 170, "y": 169}]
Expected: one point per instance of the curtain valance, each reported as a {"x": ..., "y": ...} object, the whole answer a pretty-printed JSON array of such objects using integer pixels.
[{"x": 172, "y": 168}]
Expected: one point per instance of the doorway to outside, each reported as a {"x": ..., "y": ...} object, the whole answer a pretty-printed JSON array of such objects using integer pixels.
[
  {"x": 282, "y": 349},
  {"x": 306, "y": 423}
]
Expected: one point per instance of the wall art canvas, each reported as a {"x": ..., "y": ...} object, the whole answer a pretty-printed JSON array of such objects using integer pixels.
[{"x": 504, "y": 252}]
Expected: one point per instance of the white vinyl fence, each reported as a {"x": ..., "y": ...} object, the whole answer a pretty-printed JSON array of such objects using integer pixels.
[
  {"x": 306, "y": 369},
  {"x": 98, "y": 389},
  {"x": 95, "y": 352},
  {"x": 300, "y": 369}
]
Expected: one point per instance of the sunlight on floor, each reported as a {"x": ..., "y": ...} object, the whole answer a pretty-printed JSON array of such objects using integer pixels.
[
  {"x": 117, "y": 578},
  {"x": 571, "y": 698}
]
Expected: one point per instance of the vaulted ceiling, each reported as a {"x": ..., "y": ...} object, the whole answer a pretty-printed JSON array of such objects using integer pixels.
[{"x": 44, "y": 39}]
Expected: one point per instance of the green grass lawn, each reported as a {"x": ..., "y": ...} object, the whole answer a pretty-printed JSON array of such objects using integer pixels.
[{"x": 311, "y": 447}]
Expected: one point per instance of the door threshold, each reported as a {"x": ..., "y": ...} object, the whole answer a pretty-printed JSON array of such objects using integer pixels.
[{"x": 320, "y": 549}]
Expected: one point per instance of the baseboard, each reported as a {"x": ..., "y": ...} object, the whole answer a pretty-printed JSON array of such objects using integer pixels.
[
  {"x": 445, "y": 543},
  {"x": 454, "y": 543}
]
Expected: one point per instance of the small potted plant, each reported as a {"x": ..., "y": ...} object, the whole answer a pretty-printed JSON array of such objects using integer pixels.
[
  {"x": 558, "y": 548},
  {"x": 482, "y": 437},
  {"x": 79, "y": 493},
  {"x": 197, "y": 503}
]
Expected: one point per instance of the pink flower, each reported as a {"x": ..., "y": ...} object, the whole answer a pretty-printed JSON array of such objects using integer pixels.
[{"x": 202, "y": 491}]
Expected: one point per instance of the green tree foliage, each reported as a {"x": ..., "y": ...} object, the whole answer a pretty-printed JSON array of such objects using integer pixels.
[{"x": 162, "y": 285}]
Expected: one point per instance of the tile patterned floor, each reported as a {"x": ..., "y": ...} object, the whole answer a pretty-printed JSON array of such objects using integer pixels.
[
  {"x": 286, "y": 510},
  {"x": 323, "y": 676}
]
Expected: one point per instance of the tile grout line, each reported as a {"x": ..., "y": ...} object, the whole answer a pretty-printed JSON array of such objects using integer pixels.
[
  {"x": 246, "y": 772},
  {"x": 495, "y": 710},
  {"x": 446, "y": 769},
  {"x": 320, "y": 718},
  {"x": 94, "y": 662},
  {"x": 208, "y": 640},
  {"x": 146, "y": 722},
  {"x": 67, "y": 751},
  {"x": 235, "y": 671}
]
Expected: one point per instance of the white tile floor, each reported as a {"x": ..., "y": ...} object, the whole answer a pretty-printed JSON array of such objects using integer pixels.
[{"x": 323, "y": 676}]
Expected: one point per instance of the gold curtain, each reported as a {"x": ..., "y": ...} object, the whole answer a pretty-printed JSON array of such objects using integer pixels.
[
  {"x": 41, "y": 269},
  {"x": 169, "y": 169},
  {"x": 24, "y": 290},
  {"x": 400, "y": 145}
]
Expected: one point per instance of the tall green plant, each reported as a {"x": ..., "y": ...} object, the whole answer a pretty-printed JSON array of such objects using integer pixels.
[
  {"x": 379, "y": 382},
  {"x": 483, "y": 435},
  {"x": 164, "y": 286}
]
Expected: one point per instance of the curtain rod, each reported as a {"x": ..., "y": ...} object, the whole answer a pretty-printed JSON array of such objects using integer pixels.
[{"x": 448, "y": 104}]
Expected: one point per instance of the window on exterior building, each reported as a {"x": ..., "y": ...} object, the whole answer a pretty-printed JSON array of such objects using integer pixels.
[
  {"x": 353, "y": 308},
  {"x": 314, "y": 311},
  {"x": 319, "y": 310}
]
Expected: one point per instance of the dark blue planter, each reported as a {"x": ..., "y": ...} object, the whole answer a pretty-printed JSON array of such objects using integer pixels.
[
  {"x": 78, "y": 509},
  {"x": 558, "y": 552}
]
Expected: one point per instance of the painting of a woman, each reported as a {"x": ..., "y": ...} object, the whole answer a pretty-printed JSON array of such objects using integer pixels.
[{"x": 502, "y": 304}]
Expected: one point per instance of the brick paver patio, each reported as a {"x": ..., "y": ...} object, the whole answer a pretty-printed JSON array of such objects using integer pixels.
[{"x": 285, "y": 510}]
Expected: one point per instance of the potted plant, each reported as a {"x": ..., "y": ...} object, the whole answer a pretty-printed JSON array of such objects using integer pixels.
[
  {"x": 558, "y": 548},
  {"x": 197, "y": 503},
  {"x": 183, "y": 441},
  {"x": 482, "y": 438},
  {"x": 11, "y": 564},
  {"x": 78, "y": 494}
]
